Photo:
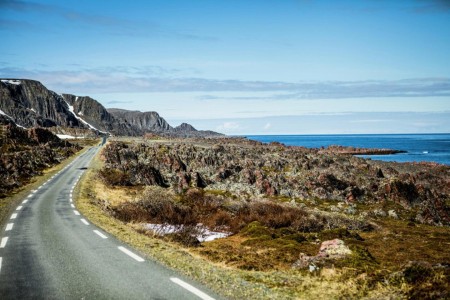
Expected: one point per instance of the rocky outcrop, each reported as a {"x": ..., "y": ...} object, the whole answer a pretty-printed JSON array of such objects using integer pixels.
[
  {"x": 25, "y": 153},
  {"x": 329, "y": 250},
  {"x": 249, "y": 170}
]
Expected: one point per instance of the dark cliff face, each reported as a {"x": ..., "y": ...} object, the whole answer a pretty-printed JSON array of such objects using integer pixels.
[
  {"x": 97, "y": 116},
  {"x": 144, "y": 121},
  {"x": 29, "y": 103}
]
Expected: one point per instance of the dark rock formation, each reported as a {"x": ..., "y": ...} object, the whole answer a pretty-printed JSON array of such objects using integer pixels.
[
  {"x": 29, "y": 104},
  {"x": 144, "y": 121}
]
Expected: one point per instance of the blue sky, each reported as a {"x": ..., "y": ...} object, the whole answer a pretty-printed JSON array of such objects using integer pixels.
[{"x": 243, "y": 67}]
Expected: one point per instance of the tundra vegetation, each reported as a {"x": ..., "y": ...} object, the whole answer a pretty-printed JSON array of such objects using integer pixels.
[{"x": 299, "y": 223}]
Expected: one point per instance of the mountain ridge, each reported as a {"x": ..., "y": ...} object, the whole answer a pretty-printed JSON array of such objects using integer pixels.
[{"x": 30, "y": 104}]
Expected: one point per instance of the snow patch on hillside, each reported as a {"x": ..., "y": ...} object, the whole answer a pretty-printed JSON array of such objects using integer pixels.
[
  {"x": 3, "y": 113},
  {"x": 15, "y": 82},
  {"x": 71, "y": 109}
]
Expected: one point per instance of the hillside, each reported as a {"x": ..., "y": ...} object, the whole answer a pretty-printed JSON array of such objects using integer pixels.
[
  {"x": 29, "y": 104},
  {"x": 26, "y": 153}
]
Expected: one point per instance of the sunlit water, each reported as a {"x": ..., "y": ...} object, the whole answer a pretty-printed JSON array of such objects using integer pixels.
[{"x": 419, "y": 147}]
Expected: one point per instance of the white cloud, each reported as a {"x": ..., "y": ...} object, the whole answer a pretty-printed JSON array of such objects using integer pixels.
[
  {"x": 122, "y": 79},
  {"x": 228, "y": 126},
  {"x": 267, "y": 126}
]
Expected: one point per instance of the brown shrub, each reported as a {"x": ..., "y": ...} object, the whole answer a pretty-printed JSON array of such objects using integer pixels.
[{"x": 114, "y": 177}]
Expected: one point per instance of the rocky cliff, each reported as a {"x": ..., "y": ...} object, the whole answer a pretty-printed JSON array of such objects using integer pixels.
[
  {"x": 143, "y": 121},
  {"x": 29, "y": 104}
]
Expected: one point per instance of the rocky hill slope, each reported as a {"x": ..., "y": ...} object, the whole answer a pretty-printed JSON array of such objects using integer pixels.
[
  {"x": 26, "y": 152},
  {"x": 29, "y": 103},
  {"x": 248, "y": 170}
]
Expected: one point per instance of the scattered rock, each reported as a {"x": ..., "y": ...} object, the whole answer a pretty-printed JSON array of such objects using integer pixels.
[
  {"x": 329, "y": 250},
  {"x": 392, "y": 214}
]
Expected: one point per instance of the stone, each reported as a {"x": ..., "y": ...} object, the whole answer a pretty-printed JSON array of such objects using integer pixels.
[
  {"x": 334, "y": 249},
  {"x": 392, "y": 214}
]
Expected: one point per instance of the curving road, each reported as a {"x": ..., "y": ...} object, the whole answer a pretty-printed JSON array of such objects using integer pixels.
[{"x": 49, "y": 251}]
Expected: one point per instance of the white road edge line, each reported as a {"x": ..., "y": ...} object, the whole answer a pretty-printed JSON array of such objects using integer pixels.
[
  {"x": 3, "y": 242},
  {"x": 71, "y": 205},
  {"x": 100, "y": 234},
  {"x": 9, "y": 226},
  {"x": 29, "y": 196},
  {"x": 131, "y": 254},
  {"x": 76, "y": 212},
  {"x": 24, "y": 201},
  {"x": 70, "y": 199},
  {"x": 13, "y": 216},
  {"x": 191, "y": 289},
  {"x": 0, "y": 263},
  {"x": 84, "y": 221},
  {"x": 19, "y": 207}
]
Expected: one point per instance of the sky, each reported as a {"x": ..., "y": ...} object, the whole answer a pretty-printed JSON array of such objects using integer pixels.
[{"x": 243, "y": 66}]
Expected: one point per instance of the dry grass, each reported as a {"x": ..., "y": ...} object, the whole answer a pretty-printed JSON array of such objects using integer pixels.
[{"x": 255, "y": 262}]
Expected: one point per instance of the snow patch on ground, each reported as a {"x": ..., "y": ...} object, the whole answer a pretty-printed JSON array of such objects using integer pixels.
[
  {"x": 203, "y": 233},
  {"x": 15, "y": 82},
  {"x": 83, "y": 121},
  {"x": 33, "y": 110},
  {"x": 80, "y": 113}
]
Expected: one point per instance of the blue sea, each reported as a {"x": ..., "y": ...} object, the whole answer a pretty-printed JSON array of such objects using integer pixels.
[{"x": 418, "y": 147}]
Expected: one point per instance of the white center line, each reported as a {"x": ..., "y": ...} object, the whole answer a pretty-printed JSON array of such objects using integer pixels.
[
  {"x": 100, "y": 234},
  {"x": 84, "y": 221},
  {"x": 24, "y": 201},
  {"x": 9, "y": 226},
  {"x": 76, "y": 212},
  {"x": 19, "y": 207},
  {"x": 191, "y": 289},
  {"x": 131, "y": 254},
  {"x": 3, "y": 242},
  {"x": 13, "y": 216}
]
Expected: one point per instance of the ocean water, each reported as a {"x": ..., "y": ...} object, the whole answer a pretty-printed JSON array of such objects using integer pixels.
[{"x": 418, "y": 147}]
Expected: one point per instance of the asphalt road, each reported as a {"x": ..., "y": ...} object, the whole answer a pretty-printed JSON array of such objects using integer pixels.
[{"x": 48, "y": 250}]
